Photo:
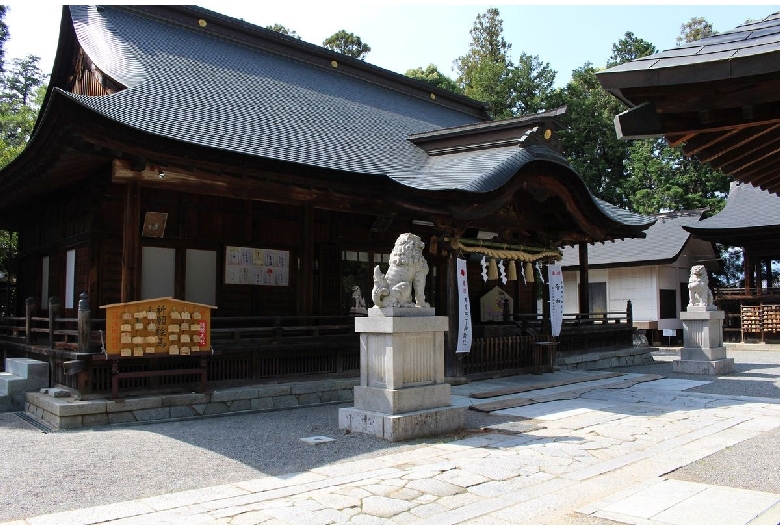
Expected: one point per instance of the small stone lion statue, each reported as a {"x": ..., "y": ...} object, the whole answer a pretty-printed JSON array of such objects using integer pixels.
[
  {"x": 358, "y": 302},
  {"x": 699, "y": 293},
  {"x": 406, "y": 273}
]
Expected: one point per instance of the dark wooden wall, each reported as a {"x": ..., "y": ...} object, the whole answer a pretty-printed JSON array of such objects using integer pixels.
[{"x": 92, "y": 223}]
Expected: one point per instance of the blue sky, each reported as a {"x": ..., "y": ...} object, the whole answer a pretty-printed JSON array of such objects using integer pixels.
[{"x": 407, "y": 36}]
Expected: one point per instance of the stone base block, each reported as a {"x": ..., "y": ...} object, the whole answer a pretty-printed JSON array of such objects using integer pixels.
[
  {"x": 718, "y": 367},
  {"x": 703, "y": 354},
  {"x": 399, "y": 427},
  {"x": 402, "y": 400}
]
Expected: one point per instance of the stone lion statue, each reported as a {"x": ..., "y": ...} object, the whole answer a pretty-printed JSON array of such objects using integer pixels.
[
  {"x": 699, "y": 293},
  {"x": 407, "y": 273}
]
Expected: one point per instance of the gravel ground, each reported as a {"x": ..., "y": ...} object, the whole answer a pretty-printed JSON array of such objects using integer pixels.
[
  {"x": 65, "y": 470},
  {"x": 50, "y": 472}
]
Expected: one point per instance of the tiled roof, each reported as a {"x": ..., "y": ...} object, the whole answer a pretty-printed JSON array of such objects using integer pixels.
[
  {"x": 664, "y": 242},
  {"x": 201, "y": 88},
  {"x": 746, "y": 207},
  {"x": 729, "y": 48}
]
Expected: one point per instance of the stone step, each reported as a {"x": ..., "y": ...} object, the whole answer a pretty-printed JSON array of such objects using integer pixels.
[
  {"x": 12, "y": 384},
  {"x": 27, "y": 368},
  {"x": 11, "y": 403}
]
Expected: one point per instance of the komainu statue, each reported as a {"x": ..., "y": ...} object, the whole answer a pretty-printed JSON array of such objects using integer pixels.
[
  {"x": 699, "y": 293},
  {"x": 407, "y": 272}
]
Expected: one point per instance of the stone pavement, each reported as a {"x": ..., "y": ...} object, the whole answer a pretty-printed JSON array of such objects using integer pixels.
[{"x": 593, "y": 451}]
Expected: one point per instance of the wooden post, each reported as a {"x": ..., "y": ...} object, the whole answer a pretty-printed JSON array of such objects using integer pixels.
[
  {"x": 130, "y": 242},
  {"x": 584, "y": 280},
  {"x": 306, "y": 274},
  {"x": 85, "y": 323},
  {"x": 29, "y": 309},
  {"x": 54, "y": 314},
  {"x": 630, "y": 314},
  {"x": 747, "y": 270}
]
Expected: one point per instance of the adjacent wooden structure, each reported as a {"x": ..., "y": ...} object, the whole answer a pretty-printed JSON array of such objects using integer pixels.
[
  {"x": 717, "y": 98},
  {"x": 178, "y": 150}
]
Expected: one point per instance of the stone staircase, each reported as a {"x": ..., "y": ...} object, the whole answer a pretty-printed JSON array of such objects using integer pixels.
[{"x": 22, "y": 376}]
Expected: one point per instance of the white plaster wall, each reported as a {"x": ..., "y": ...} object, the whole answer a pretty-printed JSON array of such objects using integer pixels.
[{"x": 637, "y": 284}]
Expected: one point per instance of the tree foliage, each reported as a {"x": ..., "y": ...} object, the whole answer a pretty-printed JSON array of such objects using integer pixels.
[
  {"x": 3, "y": 36},
  {"x": 21, "y": 94},
  {"x": 487, "y": 73},
  {"x": 589, "y": 141},
  {"x": 279, "y": 28},
  {"x": 348, "y": 44},
  {"x": 432, "y": 75},
  {"x": 629, "y": 48},
  {"x": 696, "y": 28},
  {"x": 661, "y": 178}
]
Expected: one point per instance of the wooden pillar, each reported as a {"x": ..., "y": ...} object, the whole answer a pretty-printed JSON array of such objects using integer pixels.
[
  {"x": 747, "y": 270},
  {"x": 84, "y": 323},
  {"x": 131, "y": 242},
  {"x": 29, "y": 309},
  {"x": 306, "y": 276},
  {"x": 54, "y": 315},
  {"x": 453, "y": 367},
  {"x": 55, "y": 310},
  {"x": 768, "y": 273},
  {"x": 584, "y": 281}
]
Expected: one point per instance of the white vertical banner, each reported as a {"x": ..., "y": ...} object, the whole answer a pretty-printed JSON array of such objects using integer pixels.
[
  {"x": 464, "y": 310},
  {"x": 555, "y": 284}
]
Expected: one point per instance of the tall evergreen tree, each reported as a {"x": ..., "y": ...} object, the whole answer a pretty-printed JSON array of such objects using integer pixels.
[{"x": 487, "y": 73}]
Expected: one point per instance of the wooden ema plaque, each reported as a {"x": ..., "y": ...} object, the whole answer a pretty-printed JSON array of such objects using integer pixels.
[{"x": 157, "y": 326}]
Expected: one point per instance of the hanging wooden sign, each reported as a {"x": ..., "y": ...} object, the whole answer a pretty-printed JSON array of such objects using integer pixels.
[{"x": 157, "y": 326}]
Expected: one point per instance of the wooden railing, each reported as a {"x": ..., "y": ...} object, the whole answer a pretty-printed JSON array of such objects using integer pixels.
[
  {"x": 584, "y": 331},
  {"x": 243, "y": 349}
]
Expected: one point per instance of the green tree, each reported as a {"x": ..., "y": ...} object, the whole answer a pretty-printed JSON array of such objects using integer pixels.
[
  {"x": 628, "y": 49},
  {"x": 487, "y": 73},
  {"x": 589, "y": 141},
  {"x": 348, "y": 44},
  {"x": 22, "y": 90},
  {"x": 696, "y": 28},
  {"x": 3, "y": 36},
  {"x": 283, "y": 30},
  {"x": 484, "y": 72},
  {"x": 533, "y": 84},
  {"x": 662, "y": 178},
  {"x": 432, "y": 75}
]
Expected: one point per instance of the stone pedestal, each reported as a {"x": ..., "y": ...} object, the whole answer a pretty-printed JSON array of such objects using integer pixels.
[
  {"x": 703, "y": 351},
  {"x": 402, "y": 394}
]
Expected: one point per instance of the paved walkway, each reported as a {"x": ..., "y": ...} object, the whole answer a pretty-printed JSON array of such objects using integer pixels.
[{"x": 594, "y": 451}]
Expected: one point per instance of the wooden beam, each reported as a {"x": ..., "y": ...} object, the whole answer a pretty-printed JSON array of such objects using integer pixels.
[
  {"x": 278, "y": 188},
  {"x": 641, "y": 122}
]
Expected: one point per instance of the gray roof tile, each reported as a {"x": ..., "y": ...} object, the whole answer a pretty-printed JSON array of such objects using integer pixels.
[
  {"x": 663, "y": 243},
  {"x": 746, "y": 207},
  {"x": 194, "y": 87}
]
